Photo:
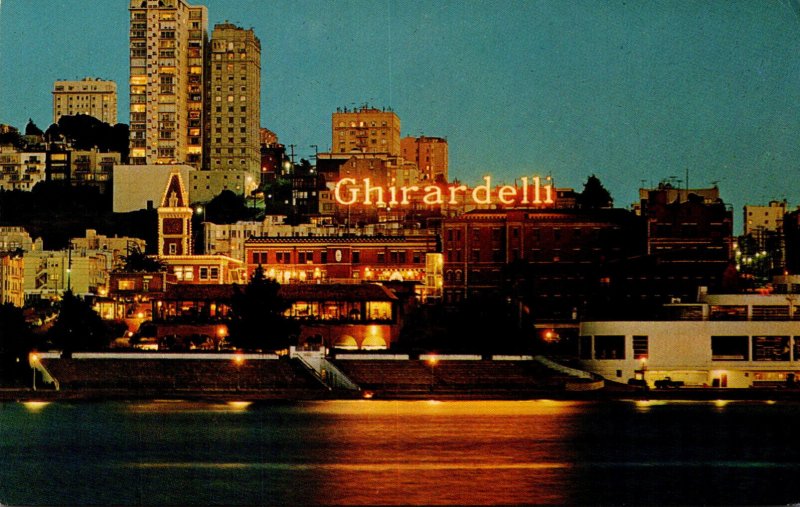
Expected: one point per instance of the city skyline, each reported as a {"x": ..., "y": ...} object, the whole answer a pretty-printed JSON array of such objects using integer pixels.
[{"x": 632, "y": 92}]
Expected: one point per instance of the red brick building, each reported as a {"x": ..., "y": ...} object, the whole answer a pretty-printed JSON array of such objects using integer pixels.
[
  {"x": 688, "y": 226},
  {"x": 556, "y": 252},
  {"x": 346, "y": 258}
]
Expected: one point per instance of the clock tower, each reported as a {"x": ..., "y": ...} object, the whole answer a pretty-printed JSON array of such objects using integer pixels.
[{"x": 174, "y": 219}]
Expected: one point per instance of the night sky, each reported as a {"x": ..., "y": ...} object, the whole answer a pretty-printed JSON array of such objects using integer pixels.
[{"x": 633, "y": 91}]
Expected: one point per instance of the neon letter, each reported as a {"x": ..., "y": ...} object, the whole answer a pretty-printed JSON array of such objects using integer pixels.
[
  {"x": 433, "y": 195},
  {"x": 369, "y": 189},
  {"x": 453, "y": 190},
  {"x": 506, "y": 194},
  {"x": 524, "y": 190},
  {"x": 487, "y": 199},
  {"x": 405, "y": 191},
  {"x": 353, "y": 191}
]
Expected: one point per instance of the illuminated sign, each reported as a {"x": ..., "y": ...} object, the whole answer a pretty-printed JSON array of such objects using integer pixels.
[{"x": 349, "y": 191}]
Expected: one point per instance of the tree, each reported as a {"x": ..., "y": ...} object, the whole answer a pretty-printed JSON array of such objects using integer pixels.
[
  {"x": 78, "y": 327},
  {"x": 53, "y": 134},
  {"x": 32, "y": 130},
  {"x": 227, "y": 208},
  {"x": 278, "y": 196},
  {"x": 15, "y": 337},
  {"x": 12, "y": 138},
  {"x": 85, "y": 132},
  {"x": 594, "y": 195},
  {"x": 259, "y": 321},
  {"x": 138, "y": 262}
]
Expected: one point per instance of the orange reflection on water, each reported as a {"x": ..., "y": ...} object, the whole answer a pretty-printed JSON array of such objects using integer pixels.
[
  {"x": 448, "y": 408},
  {"x": 455, "y": 452}
]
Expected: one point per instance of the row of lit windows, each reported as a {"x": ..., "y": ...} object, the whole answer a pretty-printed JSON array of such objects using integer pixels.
[
  {"x": 361, "y": 124},
  {"x": 304, "y": 257}
]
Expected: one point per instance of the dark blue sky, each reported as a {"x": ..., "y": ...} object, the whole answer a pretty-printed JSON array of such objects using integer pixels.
[{"x": 629, "y": 90}]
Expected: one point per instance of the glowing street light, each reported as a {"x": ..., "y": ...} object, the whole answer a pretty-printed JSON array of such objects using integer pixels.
[
  {"x": 643, "y": 366},
  {"x": 222, "y": 333},
  {"x": 432, "y": 360},
  {"x": 238, "y": 360},
  {"x": 34, "y": 360}
]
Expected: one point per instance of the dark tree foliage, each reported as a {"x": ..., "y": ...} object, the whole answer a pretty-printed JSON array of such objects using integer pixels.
[
  {"x": 55, "y": 212},
  {"x": 78, "y": 327},
  {"x": 53, "y": 134},
  {"x": 138, "y": 262},
  {"x": 142, "y": 224},
  {"x": 32, "y": 130},
  {"x": 258, "y": 322},
  {"x": 278, "y": 196},
  {"x": 227, "y": 208},
  {"x": 12, "y": 138},
  {"x": 594, "y": 195},
  {"x": 15, "y": 336},
  {"x": 84, "y": 132}
]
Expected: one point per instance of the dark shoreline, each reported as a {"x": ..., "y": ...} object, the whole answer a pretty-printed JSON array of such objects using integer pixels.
[{"x": 298, "y": 395}]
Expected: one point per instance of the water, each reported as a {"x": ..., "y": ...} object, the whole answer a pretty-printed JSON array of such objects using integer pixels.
[{"x": 400, "y": 452}]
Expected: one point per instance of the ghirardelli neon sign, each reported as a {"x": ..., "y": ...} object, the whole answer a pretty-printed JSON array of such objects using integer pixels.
[{"x": 531, "y": 191}]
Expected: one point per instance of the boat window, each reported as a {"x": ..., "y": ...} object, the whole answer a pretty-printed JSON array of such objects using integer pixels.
[
  {"x": 609, "y": 347},
  {"x": 729, "y": 348}
]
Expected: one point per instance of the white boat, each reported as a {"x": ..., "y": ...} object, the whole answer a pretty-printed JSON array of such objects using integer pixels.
[{"x": 733, "y": 341}]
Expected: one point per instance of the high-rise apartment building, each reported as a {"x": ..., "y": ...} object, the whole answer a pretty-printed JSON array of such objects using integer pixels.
[
  {"x": 234, "y": 100},
  {"x": 365, "y": 130},
  {"x": 94, "y": 97},
  {"x": 167, "y": 79},
  {"x": 430, "y": 155}
]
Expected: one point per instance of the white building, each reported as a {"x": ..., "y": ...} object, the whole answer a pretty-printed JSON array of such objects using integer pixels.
[
  {"x": 118, "y": 247},
  {"x": 94, "y": 97},
  {"x": 51, "y": 272},
  {"x": 722, "y": 341},
  {"x": 12, "y": 237},
  {"x": 21, "y": 170},
  {"x": 139, "y": 187}
]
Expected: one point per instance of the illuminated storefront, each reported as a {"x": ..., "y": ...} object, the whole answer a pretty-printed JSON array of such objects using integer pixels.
[{"x": 341, "y": 259}]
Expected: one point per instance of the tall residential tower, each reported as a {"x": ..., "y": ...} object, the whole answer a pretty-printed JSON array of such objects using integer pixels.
[
  {"x": 167, "y": 55},
  {"x": 234, "y": 100}
]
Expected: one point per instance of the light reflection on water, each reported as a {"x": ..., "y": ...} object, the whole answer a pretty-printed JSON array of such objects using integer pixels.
[
  {"x": 445, "y": 408},
  {"x": 399, "y": 452}
]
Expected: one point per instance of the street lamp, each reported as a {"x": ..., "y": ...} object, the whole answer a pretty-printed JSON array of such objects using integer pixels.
[
  {"x": 34, "y": 360},
  {"x": 222, "y": 332},
  {"x": 643, "y": 368},
  {"x": 238, "y": 360},
  {"x": 432, "y": 360}
]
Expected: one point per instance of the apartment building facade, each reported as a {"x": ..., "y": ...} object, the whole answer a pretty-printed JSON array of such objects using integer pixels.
[
  {"x": 168, "y": 41},
  {"x": 365, "y": 130},
  {"x": 91, "y": 96},
  {"x": 430, "y": 155},
  {"x": 234, "y": 100}
]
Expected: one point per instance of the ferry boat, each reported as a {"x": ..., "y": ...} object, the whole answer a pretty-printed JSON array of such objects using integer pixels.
[{"x": 722, "y": 340}]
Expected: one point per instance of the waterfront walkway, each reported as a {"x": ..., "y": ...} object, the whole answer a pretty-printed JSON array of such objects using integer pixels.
[{"x": 267, "y": 377}]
